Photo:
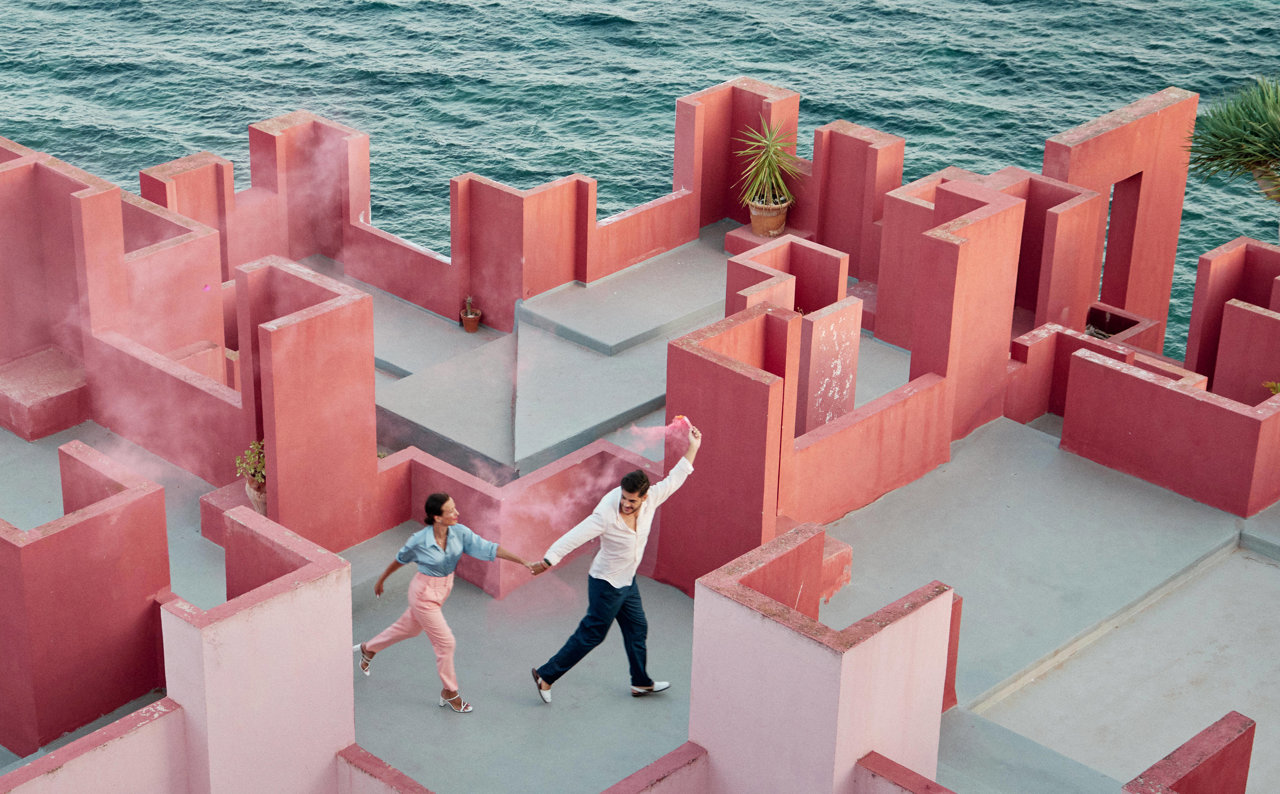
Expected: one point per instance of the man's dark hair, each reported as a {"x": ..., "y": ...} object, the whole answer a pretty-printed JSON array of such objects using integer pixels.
[
  {"x": 636, "y": 482},
  {"x": 434, "y": 508}
]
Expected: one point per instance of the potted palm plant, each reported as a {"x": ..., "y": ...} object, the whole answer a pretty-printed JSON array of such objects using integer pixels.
[
  {"x": 770, "y": 158},
  {"x": 1240, "y": 137},
  {"x": 470, "y": 317},
  {"x": 252, "y": 465}
]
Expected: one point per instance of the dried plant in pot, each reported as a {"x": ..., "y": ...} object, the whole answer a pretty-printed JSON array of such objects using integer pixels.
[
  {"x": 1239, "y": 136},
  {"x": 470, "y": 316},
  {"x": 252, "y": 465},
  {"x": 770, "y": 159}
]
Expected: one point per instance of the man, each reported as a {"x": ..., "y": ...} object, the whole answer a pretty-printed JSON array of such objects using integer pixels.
[{"x": 621, "y": 521}]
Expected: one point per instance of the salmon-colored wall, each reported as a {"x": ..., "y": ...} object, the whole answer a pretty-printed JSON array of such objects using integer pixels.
[
  {"x": 909, "y": 212},
  {"x": 80, "y": 644},
  {"x": 321, "y": 453},
  {"x": 1243, "y": 269},
  {"x": 24, "y": 317},
  {"x": 1140, "y": 151},
  {"x": 1169, "y": 432},
  {"x": 264, "y": 680},
  {"x": 876, "y": 774},
  {"x": 854, "y": 167},
  {"x": 852, "y": 461},
  {"x": 142, "y": 753},
  {"x": 828, "y": 373},
  {"x": 1248, "y": 353},
  {"x": 681, "y": 771},
  {"x": 821, "y": 698},
  {"x": 1214, "y": 761},
  {"x": 965, "y": 298},
  {"x": 184, "y": 417},
  {"x": 731, "y": 379}
]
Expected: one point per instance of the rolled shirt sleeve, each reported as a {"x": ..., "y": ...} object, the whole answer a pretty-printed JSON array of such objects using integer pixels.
[{"x": 477, "y": 546}]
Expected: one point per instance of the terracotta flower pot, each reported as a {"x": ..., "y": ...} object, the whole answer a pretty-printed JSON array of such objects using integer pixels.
[
  {"x": 470, "y": 322},
  {"x": 257, "y": 492},
  {"x": 768, "y": 220}
]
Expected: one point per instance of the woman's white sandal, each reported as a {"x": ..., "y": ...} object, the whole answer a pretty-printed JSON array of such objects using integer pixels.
[
  {"x": 466, "y": 707},
  {"x": 366, "y": 658}
]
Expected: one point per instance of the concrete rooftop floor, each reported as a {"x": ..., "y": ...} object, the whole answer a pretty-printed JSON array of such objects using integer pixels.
[{"x": 1106, "y": 620}]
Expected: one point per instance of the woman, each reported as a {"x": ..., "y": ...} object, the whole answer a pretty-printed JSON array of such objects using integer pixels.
[{"x": 436, "y": 551}]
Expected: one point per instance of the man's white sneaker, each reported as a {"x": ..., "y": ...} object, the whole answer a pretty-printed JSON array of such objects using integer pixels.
[{"x": 658, "y": 686}]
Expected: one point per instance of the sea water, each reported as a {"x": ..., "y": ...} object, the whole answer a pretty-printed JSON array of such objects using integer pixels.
[{"x": 525, "y": 92}]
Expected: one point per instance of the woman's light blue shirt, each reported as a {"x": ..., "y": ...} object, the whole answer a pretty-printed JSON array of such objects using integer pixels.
[{"x": 435, "y": 561}]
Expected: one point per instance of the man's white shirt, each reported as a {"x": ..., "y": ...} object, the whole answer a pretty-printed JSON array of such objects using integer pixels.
[{"x": 621, "y": 549}]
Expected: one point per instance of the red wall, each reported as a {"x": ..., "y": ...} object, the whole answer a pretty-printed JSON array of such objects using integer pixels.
[
  {"x": 81, "y": 640},
  {"x": 1244, "y": 269},
  {"x": 1248, "y": 353},
  {"x": 317, "y": 399},
  {"x": 855, "y": 167},
  {"x": 732, "y": 379},
  {"x": 1214, "y": 761},
  {"x": 1140, "y": 151},
  {"x": 965, "y": 297},
  {"x": 1168, "y": 432}
]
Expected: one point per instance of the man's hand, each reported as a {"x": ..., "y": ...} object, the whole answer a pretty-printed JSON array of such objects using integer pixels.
[
  {"x": 695, "y": 441},
  {"x": 536, "y": 568}
]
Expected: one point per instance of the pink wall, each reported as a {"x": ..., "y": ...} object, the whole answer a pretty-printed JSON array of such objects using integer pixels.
[
  {"x": 1214, "y": 761},
  {"x": 681, "y": 771},
  {"x": 964, "y": 301},
  {"x": 1170, "y": 432},
  {"x": 732, "y": 379},
  {"x": 142, "y": 753},
  {"x": 361, "y": 772},
  {"x": 1138, "y": 155},
  {"x": 1248, "y": 353},
  {"x": 909, "y": 212},
  {"x": 264, "y": 680},
  {"x": 321, "y": 453},
  {"x": 876, "y": 774},
  {"x": 145, "y": 397},
  {"x": 854, "y": 168},
  {"x": 1242, "y": 269},
  {"x": 854, "y": 460},
  {"x": 42, "y": 393},
  {"x": 81, "y": 642},
  {"x": 819, "y": 698}
]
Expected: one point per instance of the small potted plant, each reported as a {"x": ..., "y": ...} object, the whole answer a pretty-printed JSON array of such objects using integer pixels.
[
  {"x": 1240, "y": 137},
  {"x": 470, "y": 317},
  {"x": 252, "y": 465},
  {"x": 770, "y": 158}
]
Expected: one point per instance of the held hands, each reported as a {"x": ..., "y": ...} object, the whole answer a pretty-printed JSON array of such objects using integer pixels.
[{"x": 538, "y": 567}]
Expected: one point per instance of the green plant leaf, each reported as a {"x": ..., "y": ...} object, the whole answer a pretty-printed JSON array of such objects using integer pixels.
[
  {"x": 770, "y": 159},
  {"x": 1240, "y": 137}
]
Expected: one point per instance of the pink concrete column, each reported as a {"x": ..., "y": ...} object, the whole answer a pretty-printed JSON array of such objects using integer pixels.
[
  {"x": 855, "y": 167},
  {"x": 736, "y": 381},
  {"x": 965, "y": 297}
]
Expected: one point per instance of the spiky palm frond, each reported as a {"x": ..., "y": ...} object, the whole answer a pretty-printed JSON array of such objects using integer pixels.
[
  {"x": 1240, "y": 137},
  {"x": 769, "y": 160}
]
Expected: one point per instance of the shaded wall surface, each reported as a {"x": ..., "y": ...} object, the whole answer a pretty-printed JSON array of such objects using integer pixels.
[{"x": 80, "y": 623}]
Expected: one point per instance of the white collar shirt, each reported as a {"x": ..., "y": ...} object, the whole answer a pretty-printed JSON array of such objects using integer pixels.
[{"x": 621, "y": 548}]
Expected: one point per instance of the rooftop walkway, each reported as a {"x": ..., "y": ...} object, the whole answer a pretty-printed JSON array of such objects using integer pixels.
[{"x": 1106, "y": 620}]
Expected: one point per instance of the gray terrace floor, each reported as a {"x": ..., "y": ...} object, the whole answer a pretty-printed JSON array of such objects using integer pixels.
[{"x": 1105, "y": 621}]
